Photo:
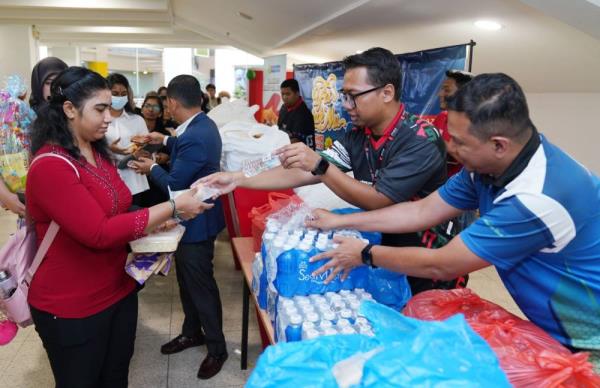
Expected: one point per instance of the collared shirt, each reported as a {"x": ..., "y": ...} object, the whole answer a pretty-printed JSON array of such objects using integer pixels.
[
  {"x": 181, "y": 128},
  {"x": 540, "y": 228},
  {"x": 407, "y": 161},
  {"x": 298, "y": 122},
  {"x": 124, "y": 127}
]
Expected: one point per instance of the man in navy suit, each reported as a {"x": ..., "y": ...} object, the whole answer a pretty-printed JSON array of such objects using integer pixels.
[{"x": 195, "y": 152}]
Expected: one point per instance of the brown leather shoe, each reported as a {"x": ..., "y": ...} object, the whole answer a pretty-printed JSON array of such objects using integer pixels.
[
  {"x": 211, "y": 366},
  {"x": 180, "y": 343}
]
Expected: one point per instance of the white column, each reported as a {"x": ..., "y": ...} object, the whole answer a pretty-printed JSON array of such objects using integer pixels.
[
  {"x": 18, "y": 51},
  {"x": 176, "y": 61}
]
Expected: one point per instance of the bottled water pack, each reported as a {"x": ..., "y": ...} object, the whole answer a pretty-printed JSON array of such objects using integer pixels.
[{"x": 307, "y": 317}]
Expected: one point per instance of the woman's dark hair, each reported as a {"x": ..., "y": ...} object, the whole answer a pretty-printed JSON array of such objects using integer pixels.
[
  {"x": 41, "y": 71},
  {"x": 119, "y": 79},
  {"x": 160, "y": 125},
  {"x": 382, "y": 68},
  {"x": 77, "y": 85}
]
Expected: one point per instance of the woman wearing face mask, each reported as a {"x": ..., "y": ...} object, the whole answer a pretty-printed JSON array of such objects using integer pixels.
[
  {"x": 84, "y": 306},
  {"x": 124, "y": 126}
]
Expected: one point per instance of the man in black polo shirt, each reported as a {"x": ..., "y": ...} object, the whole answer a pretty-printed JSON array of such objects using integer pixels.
[
  {"x": 294, "y": 116},
  {"x": 394, "y": 155}
]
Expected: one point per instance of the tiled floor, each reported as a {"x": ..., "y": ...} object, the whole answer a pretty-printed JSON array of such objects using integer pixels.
[{"x": 23, "y": 362}]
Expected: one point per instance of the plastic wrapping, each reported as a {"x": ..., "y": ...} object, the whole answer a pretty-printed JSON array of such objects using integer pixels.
[
  {"x": 141, "y": 266},
  {"x": 529, "y": 356},
  {"x": 159, "y": 242},
  {"x": 404, "y": 352},
  {"x": 15, "y": 122}
]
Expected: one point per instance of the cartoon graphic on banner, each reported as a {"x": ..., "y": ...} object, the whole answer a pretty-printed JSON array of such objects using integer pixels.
[
  {"x": 319, "y": 87},
  {"x": 422, "y": 75}
]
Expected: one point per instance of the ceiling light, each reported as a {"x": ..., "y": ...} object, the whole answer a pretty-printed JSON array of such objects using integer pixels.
[
  {"x": 489, "y": 25},
  {"x": 359, "y": 51},
  {"x": 145, "y": 72}
]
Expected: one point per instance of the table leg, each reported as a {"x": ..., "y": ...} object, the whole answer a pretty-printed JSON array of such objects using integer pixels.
[{"x": 245, "y": 313}]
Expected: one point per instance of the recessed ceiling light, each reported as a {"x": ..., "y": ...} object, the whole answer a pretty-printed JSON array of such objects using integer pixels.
[
  {"x": 359, "y": 51},
  {"x": 489, "y": 25}
]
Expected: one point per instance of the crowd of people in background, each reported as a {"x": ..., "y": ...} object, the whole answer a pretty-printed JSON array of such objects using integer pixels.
[{"x": 118, "y": 164}]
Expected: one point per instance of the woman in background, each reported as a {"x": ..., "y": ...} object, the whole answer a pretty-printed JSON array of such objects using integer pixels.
[
  {"x": 152, "y": 112},
  {"x": 124, "y": 126}
]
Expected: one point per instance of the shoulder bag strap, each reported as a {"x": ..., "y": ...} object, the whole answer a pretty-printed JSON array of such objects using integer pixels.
[{"x": 52, "y": 230}]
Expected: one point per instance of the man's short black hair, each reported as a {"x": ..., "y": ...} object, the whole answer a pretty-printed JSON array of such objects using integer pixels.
[
  {"x": 291, "y": 84},
  {"x": 211, "y": 86},
  {"x": 460, "y": 77},
  {"x": 382, "y": 67},
  {"x": 185, "y": 89},
  {"x": 496, "y": 106}
]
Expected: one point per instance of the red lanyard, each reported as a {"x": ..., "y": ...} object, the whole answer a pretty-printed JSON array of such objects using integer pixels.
[{"x": 374, "y": 169}]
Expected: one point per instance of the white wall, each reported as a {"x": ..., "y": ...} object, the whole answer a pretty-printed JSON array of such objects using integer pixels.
[
  {"x": 570, "y": 120},
  {"x": 18, "y": 52}
]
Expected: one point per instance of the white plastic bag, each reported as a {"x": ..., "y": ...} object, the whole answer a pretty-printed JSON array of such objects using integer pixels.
[
  {"x": 319, "y": 196},
  {"x": 237, "y": 110},
  {"x": 243, "y": 141}
]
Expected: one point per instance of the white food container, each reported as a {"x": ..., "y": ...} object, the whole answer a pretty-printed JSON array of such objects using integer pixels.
[{"x": 158, "y": 242}]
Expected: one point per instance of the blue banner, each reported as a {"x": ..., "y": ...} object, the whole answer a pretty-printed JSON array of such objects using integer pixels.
[{"x": 422, "y": 75}]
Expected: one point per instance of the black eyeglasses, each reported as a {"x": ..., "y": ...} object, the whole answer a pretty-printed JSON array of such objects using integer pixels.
[{"x": 350, "y": 99}]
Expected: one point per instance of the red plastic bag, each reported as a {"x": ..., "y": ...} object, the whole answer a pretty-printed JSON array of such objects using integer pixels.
[
  {"x": 529, "y": 356},
  {"x": 258, "y": 215}
]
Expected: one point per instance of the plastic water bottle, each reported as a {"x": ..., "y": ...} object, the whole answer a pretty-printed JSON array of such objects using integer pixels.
[
  {"x": 346, "y": 314},
  {"x": 8, "y": 284},
  {"x": 257, "y": 269},
  {"x": 324, "y": 324},
  {"x": 293, "y": 331},
  {"x": 318, "y": 281},
  {"x": 342, "y": 322},
  {"x": 312, "y": 317},
  {"x": 330, "y": 331},
  {"x": 275, "y": 251},
  {"x": 301, "y": 300},
  {"x": 287, "y": 269},
  {"x": 252, "y": 167},
  {"x": 329, "y": 316},
  {"x": 347, "y": 330},
  {"x": 309, "y": 334}
]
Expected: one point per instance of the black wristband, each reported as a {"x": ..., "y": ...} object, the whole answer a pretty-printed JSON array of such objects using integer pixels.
[
  {"x": 321, "y": 167},
  {"x": 367, "y": 257}
]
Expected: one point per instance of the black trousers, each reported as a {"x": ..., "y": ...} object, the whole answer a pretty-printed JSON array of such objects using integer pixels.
[
  {"x": 92, "y": 352},
  {"x": 200, "y": 294}
]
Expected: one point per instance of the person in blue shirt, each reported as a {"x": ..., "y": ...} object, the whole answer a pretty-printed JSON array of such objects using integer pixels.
[
  {"x": 539, "y": 224},
  {"x": 195, "y": 152}
]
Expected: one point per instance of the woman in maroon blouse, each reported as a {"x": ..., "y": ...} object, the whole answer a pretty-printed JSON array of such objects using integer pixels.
[{"x": 83, "y": 304}]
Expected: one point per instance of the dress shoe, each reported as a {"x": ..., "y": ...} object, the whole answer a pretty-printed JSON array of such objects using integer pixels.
[
  {"x": 181, "y": 343},
  {"x": 211, "y": 366}
]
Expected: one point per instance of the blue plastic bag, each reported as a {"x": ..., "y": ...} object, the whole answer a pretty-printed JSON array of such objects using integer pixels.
[
  {"x": 389, "y": 288},
  {"x": 404, "y": 352},
  {"x": 428, "y": 353}
]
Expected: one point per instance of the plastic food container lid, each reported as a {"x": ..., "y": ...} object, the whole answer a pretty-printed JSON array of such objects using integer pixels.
[{"x": 158, "y": 242}]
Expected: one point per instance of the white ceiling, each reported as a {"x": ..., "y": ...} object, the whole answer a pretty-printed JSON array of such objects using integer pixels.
[{"x": 547, "y": 45}]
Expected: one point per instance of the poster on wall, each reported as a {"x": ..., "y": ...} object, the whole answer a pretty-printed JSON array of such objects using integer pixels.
[
  {"x": 423, "y": 74},
  {"x": 274, "y": 75},
  {"x": 319, "y": 87}
]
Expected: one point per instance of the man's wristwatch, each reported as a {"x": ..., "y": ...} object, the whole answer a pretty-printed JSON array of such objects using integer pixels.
[
  {"x": 367, "y": 257},
  {"x": 321, "y": 168}
]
